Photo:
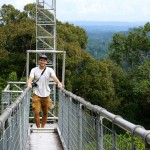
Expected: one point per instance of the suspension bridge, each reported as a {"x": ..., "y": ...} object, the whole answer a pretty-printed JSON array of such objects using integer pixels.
[{"x": 73, "y": 123}]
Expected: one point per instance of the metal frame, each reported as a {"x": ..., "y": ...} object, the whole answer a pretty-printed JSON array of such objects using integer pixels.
[
  {"x": 47, "y": 51},
  {"x": 52, "y": 83},
  {"x": 9, "y": 94}
]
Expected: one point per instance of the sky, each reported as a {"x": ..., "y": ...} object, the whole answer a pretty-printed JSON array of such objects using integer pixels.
[{"x": 95, "y": 10}]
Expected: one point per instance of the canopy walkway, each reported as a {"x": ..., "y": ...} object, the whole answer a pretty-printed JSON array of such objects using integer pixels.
[
  {"x": 73, "y": 124},
  {"x": 80, "y": 125}
]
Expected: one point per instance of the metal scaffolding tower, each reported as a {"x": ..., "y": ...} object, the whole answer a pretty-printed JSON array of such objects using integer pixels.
[
  {"x": 46, "y": 24},
  {"x": 46, "y": 28}
]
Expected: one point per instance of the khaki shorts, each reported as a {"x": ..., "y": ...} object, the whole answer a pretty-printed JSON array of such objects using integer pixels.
[{"x": 41, "y": 103}]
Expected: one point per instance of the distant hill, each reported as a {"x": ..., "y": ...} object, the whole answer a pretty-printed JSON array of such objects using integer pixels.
[
  {"x": 100, "y": 35},
  {"x": 107, "y": 26}
]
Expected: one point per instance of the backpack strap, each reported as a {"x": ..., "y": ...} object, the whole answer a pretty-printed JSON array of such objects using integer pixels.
[{"x": 40, "y": 75}]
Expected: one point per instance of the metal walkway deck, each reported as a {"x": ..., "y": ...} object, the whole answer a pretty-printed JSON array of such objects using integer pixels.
[{"x": 44, "y": 139}]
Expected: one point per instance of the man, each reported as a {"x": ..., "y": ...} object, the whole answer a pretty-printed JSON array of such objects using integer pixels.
[{"x": 41, "y": 91}]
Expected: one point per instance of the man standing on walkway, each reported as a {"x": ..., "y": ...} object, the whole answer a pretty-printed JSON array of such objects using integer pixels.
[{"x": 41, "y": 91}]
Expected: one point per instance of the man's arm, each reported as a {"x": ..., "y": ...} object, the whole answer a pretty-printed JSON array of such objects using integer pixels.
[
  {"x": 59, "y": 84},
  {"x": 30, "y": 82}
]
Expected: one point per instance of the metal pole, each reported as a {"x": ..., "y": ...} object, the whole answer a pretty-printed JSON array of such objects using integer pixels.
[
  {"x": 101, "y": 133},
  {"x": 113, "y": 137},
  {"x": 20, "y": 126},
  {"x": 54, "y": 54},
  {"x": 80, "y": 128},
  {"x": 98, "y": 132},
  {"x": 69, "y": 118},
  {"x": 27, "y": 70},
  {"x": 37, "y": 2},
  {"x": 63, "y": 69},
  {"x": 54, "y": 24}
]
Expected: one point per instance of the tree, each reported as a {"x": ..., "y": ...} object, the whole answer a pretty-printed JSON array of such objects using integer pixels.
[
  {"x": 9, "y": 14},
  {"x": 12, "y": 76},
  {"x": 70, "y": 33},
  {"x": 4, "y": 57},
  {"x": 132, "y": 49},
  {"x": 132, "y": 53},
  {"x": 142, "y": 81},
  {"x": 95, "y": 81},
  {"x": 30, "y": 9},
  {"x": 69, "y": 39}
]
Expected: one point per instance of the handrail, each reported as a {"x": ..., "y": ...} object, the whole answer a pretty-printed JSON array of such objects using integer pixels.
[
  {"x": 8, "y": 111},
  {"x": 137, "y": 130}
]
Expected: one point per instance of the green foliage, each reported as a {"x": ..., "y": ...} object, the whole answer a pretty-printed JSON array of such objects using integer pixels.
[
  {"x": 71, "y": 34},
  {"x": 95, "y": 82},
  {"x": 132, "y": 49},
  {"x": 123, "y": 142},
  {"x": 137, "y": 142},
  {"x": 142, "y": 80},
  {"x": 9, "y": 14},
  {"x": 12, "y": 76},
  {"x": 17, "y": 34},
  {"x": 98, "y": 42},
  {"x": 20, "y": 36},
  {"x": 30, "y": 10},
  {"x": 71, "y": 39},
  {"x": 3, "y": 38},
  {"x": 4, "y": 57}
]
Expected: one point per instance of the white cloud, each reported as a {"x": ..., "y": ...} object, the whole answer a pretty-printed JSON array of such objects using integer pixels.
[
  {"x": 100, "y": 10},
  {"x": 121, "y": 10},
  {"x": 18, "y": 4},
  {"x": 22, "y": 3}
]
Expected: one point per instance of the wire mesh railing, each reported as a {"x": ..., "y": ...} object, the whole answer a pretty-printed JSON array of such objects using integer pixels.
[
  {"x": 83, "y": 126},
  {"x": 14, "y": 123}
]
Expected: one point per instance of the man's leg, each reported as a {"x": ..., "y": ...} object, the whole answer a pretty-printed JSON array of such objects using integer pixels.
[
  {"x": 36, "y": 105},
  {"x": 37, "y": 119},
  {"x": 44, "y": 119},
  {"x": 46, "y": 104}
]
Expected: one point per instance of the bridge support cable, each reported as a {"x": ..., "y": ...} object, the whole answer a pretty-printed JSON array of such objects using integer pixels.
[{"x": 82, "y": 125}]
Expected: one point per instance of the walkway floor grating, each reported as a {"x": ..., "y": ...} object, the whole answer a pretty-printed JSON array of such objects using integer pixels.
[{"x": 44, "y": 139}]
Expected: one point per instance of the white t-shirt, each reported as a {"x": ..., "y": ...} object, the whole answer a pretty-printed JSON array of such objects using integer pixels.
[{"x": 42, "y": 89}]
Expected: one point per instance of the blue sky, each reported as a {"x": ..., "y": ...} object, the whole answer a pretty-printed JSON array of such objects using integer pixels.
[{"x": 96, "y": 10}]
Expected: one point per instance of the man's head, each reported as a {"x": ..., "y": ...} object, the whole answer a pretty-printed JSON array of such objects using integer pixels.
[
  {"x": 42, "y": 61},
  {"x": 43, "y": 57}
]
